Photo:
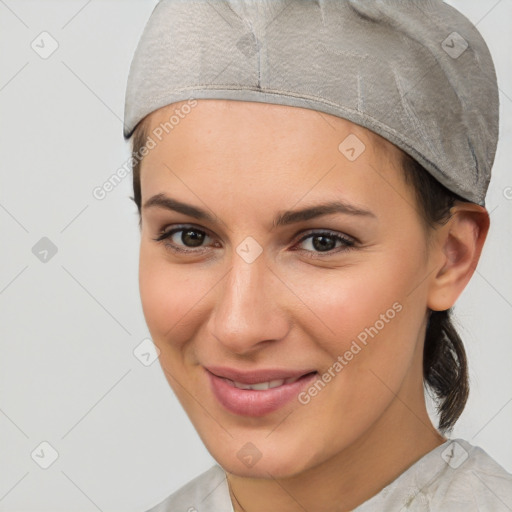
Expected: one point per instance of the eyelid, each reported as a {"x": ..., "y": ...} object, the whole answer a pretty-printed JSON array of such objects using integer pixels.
[
  {"x": 323, "y": 231},
  {"x": 172, "y": 228}
]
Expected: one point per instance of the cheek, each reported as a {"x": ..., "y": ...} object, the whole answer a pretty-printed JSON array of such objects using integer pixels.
[
  {"x": 170, "y": 296},
  {"x": 342, "y": 304},
  {"x": 364, "y": 312},
  {"x": 370, "y": 347}
]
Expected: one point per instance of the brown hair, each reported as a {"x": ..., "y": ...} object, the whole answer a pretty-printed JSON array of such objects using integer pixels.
[{"x": 445, "y": 371}]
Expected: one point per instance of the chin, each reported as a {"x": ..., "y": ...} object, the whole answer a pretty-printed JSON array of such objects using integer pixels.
[{"x": 270, "y": 462}]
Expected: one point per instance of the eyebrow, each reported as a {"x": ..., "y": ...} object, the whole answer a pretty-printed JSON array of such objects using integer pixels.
[{"x": 283, "y": 218}]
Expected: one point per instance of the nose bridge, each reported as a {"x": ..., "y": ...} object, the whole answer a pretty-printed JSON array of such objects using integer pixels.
[{"x": 247, "y": 310}]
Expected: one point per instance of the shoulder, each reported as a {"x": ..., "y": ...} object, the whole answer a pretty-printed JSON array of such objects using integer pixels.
[
  {"x": 207, "y": 492},
  {"x": 472, "y": 478},
  {"x": 454, "y": 476}
]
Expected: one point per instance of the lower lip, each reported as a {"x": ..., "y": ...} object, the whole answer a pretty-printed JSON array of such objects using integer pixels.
[{"x": 249, "y": 402}]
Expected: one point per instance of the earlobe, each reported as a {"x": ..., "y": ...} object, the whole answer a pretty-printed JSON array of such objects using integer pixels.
[{"x": 460, "y": 243}]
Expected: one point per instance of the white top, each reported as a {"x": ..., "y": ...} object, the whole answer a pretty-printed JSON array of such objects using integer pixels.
[{"x": 453, "y": 477}]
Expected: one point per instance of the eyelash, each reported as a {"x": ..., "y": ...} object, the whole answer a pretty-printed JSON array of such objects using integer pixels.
[{"x": 348, "y": 243}]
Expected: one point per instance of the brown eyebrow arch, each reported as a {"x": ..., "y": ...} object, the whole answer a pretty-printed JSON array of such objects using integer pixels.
[
  {"x": 163, "y": 201},
  {"x": 290, "y": 217},
  {"x": 283, "y": 218}
]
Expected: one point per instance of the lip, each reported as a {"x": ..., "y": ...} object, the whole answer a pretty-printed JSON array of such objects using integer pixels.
[
  {"x": 255, "y": 376},
  {"x": 248, "y": 402}
]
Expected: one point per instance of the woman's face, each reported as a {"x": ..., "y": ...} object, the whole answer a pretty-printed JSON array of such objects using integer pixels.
[{"x": 251, "y": 290}]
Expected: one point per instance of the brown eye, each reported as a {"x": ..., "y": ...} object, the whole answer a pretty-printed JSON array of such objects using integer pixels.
[
  {"x": 183, "y": 239},
  {"x": 323, "y": 243},
  {"x": 192, "y": 237},
  {"x": 326, "y": 242}
]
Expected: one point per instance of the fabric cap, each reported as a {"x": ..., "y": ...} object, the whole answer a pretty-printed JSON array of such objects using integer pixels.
[{"x": 416, "y": 72}]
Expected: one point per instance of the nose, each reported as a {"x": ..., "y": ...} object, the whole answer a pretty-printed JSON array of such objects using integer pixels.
[{"x": 248, "y": 311}]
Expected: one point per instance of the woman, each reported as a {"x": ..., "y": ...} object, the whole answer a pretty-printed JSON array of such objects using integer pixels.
[{"x": 311, "y": 182}]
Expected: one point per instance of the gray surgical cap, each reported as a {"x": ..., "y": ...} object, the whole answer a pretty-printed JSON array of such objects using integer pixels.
[{"x": 416, "y": 72}]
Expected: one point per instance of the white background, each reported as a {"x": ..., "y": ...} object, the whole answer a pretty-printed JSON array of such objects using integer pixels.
[{"x": 68, "y": 327}]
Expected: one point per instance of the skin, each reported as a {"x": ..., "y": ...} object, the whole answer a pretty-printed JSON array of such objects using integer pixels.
[{"x": 244, "y": 163}]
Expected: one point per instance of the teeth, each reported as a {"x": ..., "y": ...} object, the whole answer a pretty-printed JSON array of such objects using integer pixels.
[{"x": 260, "y": 386}]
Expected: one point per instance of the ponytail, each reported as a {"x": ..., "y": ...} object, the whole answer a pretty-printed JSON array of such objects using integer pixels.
[{"x": 445, "y": 368}]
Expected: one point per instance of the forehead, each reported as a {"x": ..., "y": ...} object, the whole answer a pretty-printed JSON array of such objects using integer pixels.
[
  {"x": 265, "y": 150},
  {"x": 253, "y": 125}
]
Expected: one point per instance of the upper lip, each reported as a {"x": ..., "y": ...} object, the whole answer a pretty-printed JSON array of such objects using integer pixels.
[{"x": 256, "y": 376}]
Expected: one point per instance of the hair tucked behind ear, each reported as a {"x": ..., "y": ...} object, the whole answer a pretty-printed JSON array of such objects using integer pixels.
[{"x": 445, "y": 370}]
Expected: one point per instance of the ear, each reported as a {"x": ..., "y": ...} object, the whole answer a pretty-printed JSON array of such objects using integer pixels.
[{"x": 457, "y": 250}]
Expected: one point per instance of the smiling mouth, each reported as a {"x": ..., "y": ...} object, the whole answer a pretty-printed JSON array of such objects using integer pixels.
[
  {"x": 269, "y": 384},
  {"x": 257, "y": 393}
]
